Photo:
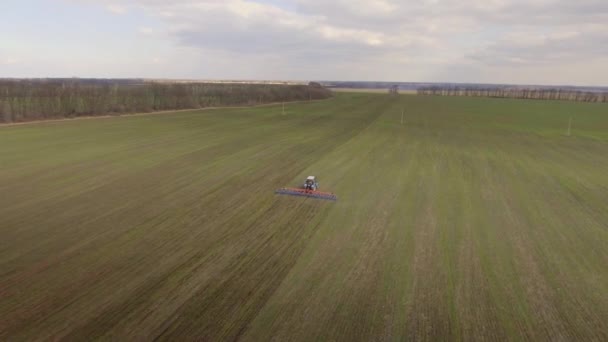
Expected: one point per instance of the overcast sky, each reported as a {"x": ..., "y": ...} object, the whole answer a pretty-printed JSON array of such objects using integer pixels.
[{"x": 495, "y": 41}]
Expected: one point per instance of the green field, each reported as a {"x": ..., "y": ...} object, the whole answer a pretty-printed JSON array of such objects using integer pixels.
[{"x": 477, "y": 219}]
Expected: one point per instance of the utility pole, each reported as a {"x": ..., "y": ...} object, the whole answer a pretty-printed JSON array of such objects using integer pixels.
[
  {"x": 570, "y": 126},
  {"x": 402, "y": 114},
  {"x": 283, "y": 108}
]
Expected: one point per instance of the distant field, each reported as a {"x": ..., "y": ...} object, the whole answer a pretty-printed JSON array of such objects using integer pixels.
[
  {"x": 477, "y": 219},
  {"x": 369, "y": 90}
]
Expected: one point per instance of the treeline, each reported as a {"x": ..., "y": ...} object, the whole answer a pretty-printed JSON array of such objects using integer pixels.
[
  {"x": 26, "y": 100},
  {"x": 517, "y": 93}
]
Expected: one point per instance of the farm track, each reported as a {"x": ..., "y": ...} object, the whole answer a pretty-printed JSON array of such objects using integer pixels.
[{"x": 475, "y": 220}]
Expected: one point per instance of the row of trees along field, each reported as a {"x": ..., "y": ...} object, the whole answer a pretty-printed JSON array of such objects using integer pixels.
[
  {"x": 517, "y": 93},
  {"x": 25, "y": 100}
]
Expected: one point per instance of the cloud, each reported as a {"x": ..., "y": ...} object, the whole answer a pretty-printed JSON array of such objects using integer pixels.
[
  {"x": 116, "y": 9},
  {"x": 247, "y": 27},
  {"x": 560, "y": 45},
  {"x": 8, "y": 61},
  {"x": 146, "y": 31},
  {"x": 413, "y": 38}
]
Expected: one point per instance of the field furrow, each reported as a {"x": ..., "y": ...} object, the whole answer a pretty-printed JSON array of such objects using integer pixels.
[{"x": 475, "y": 219}]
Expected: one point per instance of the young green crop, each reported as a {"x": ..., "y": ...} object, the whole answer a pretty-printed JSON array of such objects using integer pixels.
[{"x": 474, "y": 219}]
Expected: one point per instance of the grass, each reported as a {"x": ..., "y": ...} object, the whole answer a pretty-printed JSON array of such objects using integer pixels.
[
  {"x": 370, "y": 90},
  {"x": 477, "y": 219}
]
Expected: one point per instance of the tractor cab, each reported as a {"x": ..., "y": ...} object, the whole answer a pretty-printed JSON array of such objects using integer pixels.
[{"x": 311, "y": 183}]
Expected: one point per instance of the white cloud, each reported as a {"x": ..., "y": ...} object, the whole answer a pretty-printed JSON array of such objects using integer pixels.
[
  {"x": 399, "y": 39},
  {"x": 535, "y": 46},
  {"x": 8, "y": 61},
  {"x": 116, "y": 9},
  {"x": 146, "y": 31}
]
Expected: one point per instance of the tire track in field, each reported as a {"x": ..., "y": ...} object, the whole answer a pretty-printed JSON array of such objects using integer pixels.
[
  {"x": 346, "y": 287},
  {"x": 475, "y": 306},
  {"x": 361, "y": 255},
  {"x": 428, "y": 318},
  {"x": 241, "y": 270},
  {"x": 130, "y": 184},
  {"x": 544, "y": 322},
  {"x": 44, "y": 180},
  {"x": 101, "y": 311},
  {"x": 547, "y": 258},
  {"x": 69, "y": 206},
  {"x": 366, "y": 307},
  {"x": 239, "y": 322},
  {"x": 223, "y": 309},
  {"x": 427, "y": 307},
  {"x": 226, "y": 204},
  {"x": 363, "y": 313},
  {"x": 213, "y": 153}
]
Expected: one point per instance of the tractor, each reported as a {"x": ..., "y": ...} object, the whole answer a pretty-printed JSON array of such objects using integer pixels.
[{"x": 309, "y": 189}]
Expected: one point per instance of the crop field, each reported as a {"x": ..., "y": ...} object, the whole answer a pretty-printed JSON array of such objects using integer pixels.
[{"x": 475, "y": 219}]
